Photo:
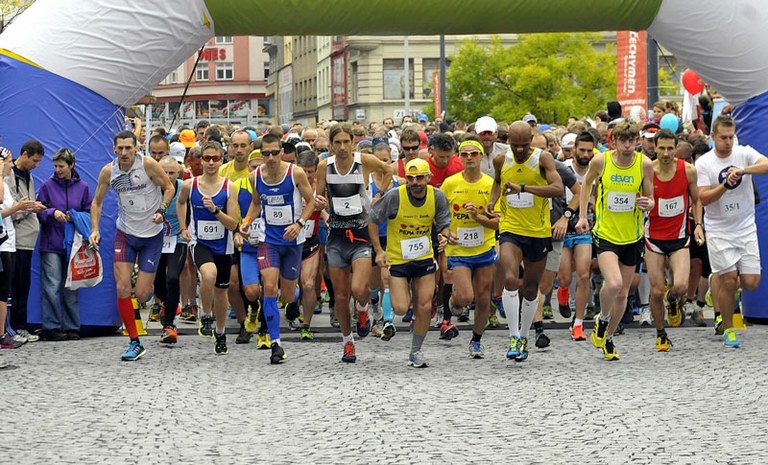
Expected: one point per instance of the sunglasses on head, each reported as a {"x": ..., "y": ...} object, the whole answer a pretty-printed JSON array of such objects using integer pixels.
[
  {"x": 416, "y": 177},
  {"x": 472, "y": 154},
  {"x": 213, "y": 158},
  {"x": 410, "y": 148},
  {"x": 270, "y": 153}
]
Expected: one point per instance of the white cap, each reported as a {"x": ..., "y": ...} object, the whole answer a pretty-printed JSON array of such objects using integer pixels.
[
  {"x": 485, "y": 123},
  {"x": 529, "y": 117},
  {"x": 177, "y": 151},
  {"x": 569, "y": 140}
]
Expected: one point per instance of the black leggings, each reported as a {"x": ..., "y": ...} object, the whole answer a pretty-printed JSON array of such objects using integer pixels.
[
  {"x": 167, "y": 287},
  {"x": 6, "y": 278}
]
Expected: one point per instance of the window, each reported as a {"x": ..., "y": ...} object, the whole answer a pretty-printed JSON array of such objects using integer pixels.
[
  {"x": 224, "y": 72},
  {"x": 201, "y": 72},
  {"x": 266, "y": 69},
  {"x": 354, "y": 89},
  {"x": 223, "y": 39},
  {"x": 174, "y": 77},
  {"x": 429, "y": 66},
  {"x": 394, "y": 78}
]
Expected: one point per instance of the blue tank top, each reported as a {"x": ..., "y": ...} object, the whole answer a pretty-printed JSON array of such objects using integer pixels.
[
  {"x": 375, "y": 190},
  {"x": 204, "y": 227},
  {"x": 244, "y": 199},
  {"x": 280, "y": 207},
  {"x": 171, "y": 224}
]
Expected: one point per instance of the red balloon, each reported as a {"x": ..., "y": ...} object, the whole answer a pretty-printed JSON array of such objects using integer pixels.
[{"x": 692, "y": 82}]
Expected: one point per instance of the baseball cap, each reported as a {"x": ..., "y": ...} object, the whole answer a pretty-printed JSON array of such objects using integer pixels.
[
  {"x": 416, "y": 167},
  {"x": 569, "y": 140},
  {"x": 423, "y": 118},
  {"x": 650, "y": 130},
  {"x": 187, "y": 137},
  {"x": 486, "y": 123},
  {"x": 530, "y": 118},
  {"x": 380, "y": 140},
  {"x": 177, "y": 151}
]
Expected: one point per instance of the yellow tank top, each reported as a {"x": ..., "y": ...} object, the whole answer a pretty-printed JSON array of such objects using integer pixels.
[
  {"x": 524, "y": 213},
  {"x": 409, "y": 233},
  {"x": 474, "y": 239},
  {"x": 617, "y": 218}
]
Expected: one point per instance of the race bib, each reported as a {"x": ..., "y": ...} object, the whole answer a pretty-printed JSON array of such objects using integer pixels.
[
  {"x": 730, "y": 208},
  {"x": 471, "y": 237},
  {"x": 415, "y": 248},
  {"x": 169, "y": 244},
  {"x": 621, "y": 202},
  {"x": 348, "y": 206},
  {"x": 671, "y": 207},
  {"x": 520, "y": 200},
  {"x": 309, "y": 227},
  {"x": 278, "y": 216},
  {"x": 210, "y": 230},
  {"x": 135, "y": 203}
]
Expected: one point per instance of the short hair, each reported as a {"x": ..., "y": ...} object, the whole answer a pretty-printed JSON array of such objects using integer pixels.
[
  {"x": 469, "y": 136},
  {"x": 270, "y": 138},
  {"x": 212, "y": 144},
  {"x": 411, "y": 135},
  {"x": 203, "y": 123},
  {"x": 665, "y": 134},
  {"x": 240, "y": 131},
  {"x": 213, "y": 133},
  {"x": 125, "y": 135},
  {"x": 307, "y": 158},
  {"x": 66, "y": 155},
  {"x": 195, "y": 152},
  {"x": 699, "y": 149},
  {"x": 723, "y": 120},
  {"x": 358, "y": 131},
  {"x": 585, "y": 136},
  {"x": 159, "y": 130},
  {"x": 442, "y": 142},
  {"x": 34, "y": 147},
  {"x": 158, "y": 138},
  {"x": 625, "y": 130},
  {"x": 339, "y": 128}
]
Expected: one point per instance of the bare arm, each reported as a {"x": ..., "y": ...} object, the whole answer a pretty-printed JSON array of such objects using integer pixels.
[
  {"x": 498, "y": 163},
  {"x": 181, "y": 209},
  {"x": 646, "y": 202},
  {"x": 554, "y": 187},
  {"x": 231, "y": 218},
  {"x": 158, "y": 176},
  {"x": 98, "y": 203},
  {"x": 594, "y": 170},
  {"x": 254, "y": 209}
]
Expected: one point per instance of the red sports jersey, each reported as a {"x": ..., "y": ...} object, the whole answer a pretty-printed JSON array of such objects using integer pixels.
[
  {"x": 439, "y": 175},
  {"x": 669, "y": 218}
]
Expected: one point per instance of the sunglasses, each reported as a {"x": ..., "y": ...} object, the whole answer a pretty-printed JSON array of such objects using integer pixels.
[
  {"x": 270, "y": 153},
  {"x": 411, "y": 148},
  {"x": 213, "y": 158},
  {"x": 416, "y": 177},
  {"x": 473, "y": 154}
]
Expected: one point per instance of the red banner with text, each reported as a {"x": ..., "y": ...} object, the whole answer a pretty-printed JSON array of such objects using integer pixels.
[{"x": 631, "y": 75}]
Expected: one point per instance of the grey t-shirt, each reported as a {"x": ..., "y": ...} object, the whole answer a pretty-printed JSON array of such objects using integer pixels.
[
  {"x": 559, "y": 203},
  {"x": 386, "y": 208}
]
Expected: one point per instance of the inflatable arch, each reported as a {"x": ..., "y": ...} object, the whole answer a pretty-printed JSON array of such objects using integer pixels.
[{"x": 68, "y": 67}]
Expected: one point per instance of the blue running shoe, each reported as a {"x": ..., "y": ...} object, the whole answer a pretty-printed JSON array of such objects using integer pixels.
[
  {"x": 476, "y": 350},
  {"x": 514, "y": 348},
  {"x": 497, "y": 304},
  {"x": 522, "y": 349},
  {"x": 134, "y": 352},
  {"x": 408, "y": 316},
  {"x": 730, "y": 339}
]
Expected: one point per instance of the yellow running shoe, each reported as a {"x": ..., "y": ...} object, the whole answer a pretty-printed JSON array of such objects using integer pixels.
[
  {"x": 674, "y": 312},
  {"x": 609, "y": 350},
  {"x": 662, "y": 343},
  {"x": 262, "y": 341},
  {"x": 600, "y": 326}
]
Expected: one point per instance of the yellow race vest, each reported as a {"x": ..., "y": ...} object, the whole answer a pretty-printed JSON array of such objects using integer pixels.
[
  {"x": 524, "y": 213},
  {"x": 474, "y": 239},
  {"x": 617, "y": 218},
  {"x": 409, "y": 233}
]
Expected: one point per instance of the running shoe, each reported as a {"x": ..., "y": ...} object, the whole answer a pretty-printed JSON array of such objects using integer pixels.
[
  {"x": 191, "y": 313},
  {"x": 363, "y": 323},
  {"x": 170, "y": 336},
  {"x": 493, "y": 321},
  {"x": 600, "y": 327},
  {"x": 675, "y": 314},
  {"x": 377, "y": 327},
  {"x": 497, "y": 306},
  {"x": 232, "y": 315},
  {"x": 244, "y": 336},
  {"x": 590, "y": 313},
  {"x": 546, "y": 312},
  {"x": 334, "y": 320},
  {"x": 206, "y": 326},
  {"x": 134, "y": 352},
  {"x": 408, "y": 316},
  {"x": 154, "y": 313},
  {"x": 663, "y": 343},
  {"x": 34, "y": 337},
  {"x": 389, "y": 331},
  {"x": 645, "y": 316},
  {"x": 306, "y": 334},
  {"x": 375, "y": 311},
  {"x": 514, "y": 348},
  {"x": 542, "y": 340},
  {"x": 292, "y": 311},
  {"x": 455, "y": 310},
  {"x": 318, "y": 308},
  {"x": 220, "y": 347},
  {"x": 262, "y": 341},
  {"x": 609, "y": 350},
  {"x": 7, "y": 342},
  {"x": 476, "y": 350},
  {"x": 349, "y": 353},
  {"x": 565, "y": 310},
  {"x": 417, "y": 360},
  {"x": 522, "y": 350},
  {"x": 577, "y": 333},
  {"x": 278, "y": 354},
  {"x": 464, "y": 317},
  {"x": 697, "y": 316},
  {"x": 252, "y": 318},
  {"x": 730, "y": 339},
  {"x": 448, "y": 331},
  {"x": 294, "y": 324},
  {"x": 719, "y": 325}
]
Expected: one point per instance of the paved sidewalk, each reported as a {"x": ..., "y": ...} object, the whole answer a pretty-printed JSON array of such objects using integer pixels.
[{"x": 75, "y": 402}]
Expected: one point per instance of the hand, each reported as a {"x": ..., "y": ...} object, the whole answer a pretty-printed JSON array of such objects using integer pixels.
[
  {"x": 471, "y": 210},
  {"x": 490, "y": 213},
  {"x": 510, "y": 188},
  {"x": 698, "y": 234},
  {"x": 60, "y": 216},
  {"x": 442, "y": 241},
  {"x": 292, "y": 232},
  {"x": 37, "y": 207},
  {"x": 582, "y": 226},
  {"x": 238, "y": 240},
  {"x": 186, "y": 236},
  {"x": 157, "y": 218},
  {"x": 734, "y": 175},
  {"x": 245, "y": 228},
  {"x": 645, "y": 203},
  {"x": 321, "y": 203},
  {"x": 94, "y": 239},
  {"x": 382, "y": 259},
  {"x": 208, "y": 204},
  {"x": 559, "y": 228},
  {"x": 453, "y": 239}
]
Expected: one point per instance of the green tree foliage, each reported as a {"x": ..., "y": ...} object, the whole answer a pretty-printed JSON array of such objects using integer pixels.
[
  {"x": 10, "y": 9},
  {"x": 550, "y": 75}
]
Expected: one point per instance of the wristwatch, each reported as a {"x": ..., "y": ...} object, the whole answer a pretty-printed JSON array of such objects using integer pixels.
[
  {"x": 522, "y": 188},
  {"x": 301, "y": 222},
  {"x": 217, "y": 211},
  {"x": 568, "y": 213}
]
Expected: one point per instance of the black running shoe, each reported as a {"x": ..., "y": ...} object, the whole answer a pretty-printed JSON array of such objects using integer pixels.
[
  {"x": 278, "y": 354},
  {"x": 206, "y": 326},
  {"x": 220, "y": 348},
  {"x": 244, "y": 337},
  {"x": 542, "y": 340}
]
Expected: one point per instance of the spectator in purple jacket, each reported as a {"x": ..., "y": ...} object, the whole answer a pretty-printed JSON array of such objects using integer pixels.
[{"x": 62, "y": 192}]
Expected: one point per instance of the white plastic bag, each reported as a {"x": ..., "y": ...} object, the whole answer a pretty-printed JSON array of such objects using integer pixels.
[{"x": 85, "y": 268}]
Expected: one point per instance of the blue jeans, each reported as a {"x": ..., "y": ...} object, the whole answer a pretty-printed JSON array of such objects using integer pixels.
[{"x": 60, "y": 307}]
